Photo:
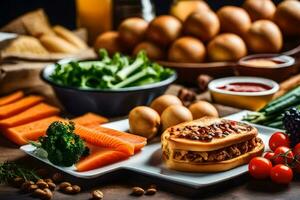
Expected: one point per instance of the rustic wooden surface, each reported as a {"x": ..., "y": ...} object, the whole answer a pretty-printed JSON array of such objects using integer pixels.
[{"x": 118, "y": 185}]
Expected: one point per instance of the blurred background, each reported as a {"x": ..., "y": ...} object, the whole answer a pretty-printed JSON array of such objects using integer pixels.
[{"x": 73, "y": 13}]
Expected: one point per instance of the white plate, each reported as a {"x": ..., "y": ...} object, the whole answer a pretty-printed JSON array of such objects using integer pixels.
[{"x": 148, "y": 161}]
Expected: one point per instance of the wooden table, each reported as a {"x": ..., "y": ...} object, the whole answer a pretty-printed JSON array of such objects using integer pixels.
[{"x": 118, "y": 185}]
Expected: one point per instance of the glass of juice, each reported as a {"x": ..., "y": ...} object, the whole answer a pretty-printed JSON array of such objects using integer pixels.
[{"x": 95, "y": 16}]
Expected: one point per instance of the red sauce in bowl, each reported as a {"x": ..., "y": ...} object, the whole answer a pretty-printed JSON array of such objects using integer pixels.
[{"x": 245, "y": 87}]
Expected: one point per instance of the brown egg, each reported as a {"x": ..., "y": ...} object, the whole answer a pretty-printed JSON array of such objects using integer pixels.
[
  {"x": 174, "y": 115},
  {"x": 260, "y": 9},
  {"x": 287, "y": 17},
  {"x": 204, "y": 25},
  {"x": 153, "y": 51},
  {"x": 226, "y": 47},
  {"x": 264, "y": 36},
  {"x": 163, "y": 30},
  {"x": 202, "y": 109},
  {"x": 187, "y": 49},
  {"x": 110, "y": 41},
  {"x": 162, "y": 102},
  {"x": 144, "y": 121},
  {"x": 182, "y": 9},
  {"x": 132, "y": 31},
  {"x": 234, "y": 20}
]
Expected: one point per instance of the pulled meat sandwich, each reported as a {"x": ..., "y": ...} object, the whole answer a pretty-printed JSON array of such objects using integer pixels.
[{"x": 210, "y": 144}]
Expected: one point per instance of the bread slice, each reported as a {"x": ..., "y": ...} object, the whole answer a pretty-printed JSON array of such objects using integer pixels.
[
  {"x": 56, "y": 44},
  {"x": 178, "y": 142},
  {"x": 70, "y": 37}
]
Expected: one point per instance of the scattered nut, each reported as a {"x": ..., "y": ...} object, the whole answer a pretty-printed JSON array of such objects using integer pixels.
[
  {"x": 25, "y": 186},
  {"x": 32, "y": 188},
  {"x": 58, "y": 177},
  {"x": 97, "y": 195},
  {"x": 186, "y": 95},
  {"x": 51, "y": 186},
  {"x": 76, "y": 189},
  {"x": 42, "y": 184},
  {"x": 48, "y": 180},
  {"x": 137, "y": 191},
  {"x": 18, "y": 181},
  {"x": 203, "y": 81},
  {"x": 150, "y": 191},
  {"x": 38, "y": 193},
  {"x": 63, "y": 185},
  {"x": 68, "y": 190},
  {"x": 48, "y": 194}
]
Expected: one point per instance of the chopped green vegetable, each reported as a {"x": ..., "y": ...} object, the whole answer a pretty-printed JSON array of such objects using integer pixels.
[
  {"x": 110, "y": 73},
  {"x": 63, "y": 146},
  {"x": 11, "y": 170},
  {"x": 272, "y": 114}
]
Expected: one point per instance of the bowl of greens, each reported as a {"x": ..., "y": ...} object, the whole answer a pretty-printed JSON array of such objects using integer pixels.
[{"x": 110, "y": 86}]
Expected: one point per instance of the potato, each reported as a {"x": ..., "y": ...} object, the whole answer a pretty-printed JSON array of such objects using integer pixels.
[
  {"x": 202, "y": 109},
  {"x": 262, "y": 9},
  {"x": 264, "y": 37},
  {"x": 163, "y": 30},
  {"x": 287, "y": 17},
  {"x": 187, "y": 49},
  {"x": 110, "y": 41},
  {"x": 203, "y": 25},
  {"x": 144, "y": 121},
  {"x": 226, "y": 47},
  {"x": 234, "y": 20},
  {"x": 162, "y": 102},
  {"x": 132, "y": 31},
  {"x": 174, "y": 115},
  {"x": 183, "y": 9},
  {"x": 153, "y": 51}
]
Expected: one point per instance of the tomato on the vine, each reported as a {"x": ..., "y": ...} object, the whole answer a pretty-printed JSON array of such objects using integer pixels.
[
  {"x": 281, "y": 174},
  {"x": 283, "y": 155},
  {"x": 269, "y": 155},
  {"x": 279, "y": 139},
  {"x": 260, "y": 167}
]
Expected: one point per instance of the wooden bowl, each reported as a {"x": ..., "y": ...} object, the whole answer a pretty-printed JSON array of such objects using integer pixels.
[
  {"x": 279, "y": 72},
  {"x": 188, "y": 72}
]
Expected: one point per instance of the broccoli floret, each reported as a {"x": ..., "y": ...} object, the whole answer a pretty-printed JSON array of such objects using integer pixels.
[{"x": 63, "y": 146}]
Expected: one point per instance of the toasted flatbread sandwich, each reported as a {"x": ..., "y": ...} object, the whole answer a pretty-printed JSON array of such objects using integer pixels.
[{"x": 210, "y": 144}]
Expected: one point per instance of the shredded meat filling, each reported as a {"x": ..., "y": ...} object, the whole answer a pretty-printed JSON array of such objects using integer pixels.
[
  {"x": 207, "y": 133},
  {"x": 217, "y": 155}
]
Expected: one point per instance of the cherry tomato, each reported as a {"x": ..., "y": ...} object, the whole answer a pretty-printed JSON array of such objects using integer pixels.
[
  {"x": 260, "y": 167},
  {"x": 280, "y": 159},
  {"x": 296, "y": 152},
  {"x": 279, "y": 139},
  {"x": 281, "y": 174},
  {"x": 269, "y": 155}
]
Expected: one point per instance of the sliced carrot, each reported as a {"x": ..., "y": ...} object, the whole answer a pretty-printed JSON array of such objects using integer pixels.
[
  {"x": 101, "y": 139},
  {"x": 99, "y": 157},
  {"x": 34, "y": 113},
  {"x": 138, "y": 141},
  {"x": 11, "y": 98},
  {"x": 31, "y": 131},
  {"x": 19, "y": 106},
  {"x": 90, "y": 120}
]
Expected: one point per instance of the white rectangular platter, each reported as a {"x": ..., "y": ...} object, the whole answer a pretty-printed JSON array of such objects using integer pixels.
[{"x": 148, "y": 161}]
